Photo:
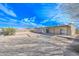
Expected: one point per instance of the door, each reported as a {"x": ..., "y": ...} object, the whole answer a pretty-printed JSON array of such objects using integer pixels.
[
  {"x": 47, "y": 30},
  {"x": 63, "y": 31}
]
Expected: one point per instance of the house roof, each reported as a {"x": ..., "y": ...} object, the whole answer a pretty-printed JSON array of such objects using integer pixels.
[{"x": 59, "y": 25}]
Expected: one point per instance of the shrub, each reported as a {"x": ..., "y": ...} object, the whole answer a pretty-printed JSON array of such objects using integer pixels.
[
  {"x": 8, "y": 31},
  {"x": 32, "y": 30}
]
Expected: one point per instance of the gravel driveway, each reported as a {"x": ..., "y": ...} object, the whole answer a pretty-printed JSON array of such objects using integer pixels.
[{"x": 32, "y": 44}]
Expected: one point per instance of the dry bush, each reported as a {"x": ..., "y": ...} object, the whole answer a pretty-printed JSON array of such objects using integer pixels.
[
  {"x": 32, "y": 31},
  {"x": 8, "y": 31}
]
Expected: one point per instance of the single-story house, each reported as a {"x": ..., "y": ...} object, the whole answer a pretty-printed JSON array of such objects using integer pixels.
[{"x": 58, "y": 30}]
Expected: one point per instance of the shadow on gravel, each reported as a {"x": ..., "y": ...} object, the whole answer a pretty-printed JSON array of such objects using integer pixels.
[{"x": 73, "y": 48}]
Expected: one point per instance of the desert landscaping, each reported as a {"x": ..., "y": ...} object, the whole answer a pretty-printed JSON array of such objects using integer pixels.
[
  {"x": 39, "y": 29},
  {"x": 34, "y": 44}
]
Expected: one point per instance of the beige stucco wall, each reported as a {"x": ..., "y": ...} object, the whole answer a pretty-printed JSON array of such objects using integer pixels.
[
  {"x": 73, "y": 30},
  {"x": 59, "y": 30},
  {"x": 66, "y": 30}
]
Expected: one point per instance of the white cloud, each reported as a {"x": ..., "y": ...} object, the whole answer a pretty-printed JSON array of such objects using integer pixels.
[
  {"x": 28, "y": 23},
  {"x": 32, "y": 19},
  {"x": 71, "y": 9},
  {"x": 7, "y": 10},
  {"x": 45, "y": 21},
  {"x": 25, "y": 20}
]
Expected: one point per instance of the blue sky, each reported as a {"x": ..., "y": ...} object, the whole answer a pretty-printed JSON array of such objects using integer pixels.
[{"x": 32, "y": 15}]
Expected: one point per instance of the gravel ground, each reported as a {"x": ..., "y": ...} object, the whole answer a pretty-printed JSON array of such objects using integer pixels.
[{"x": 32, "y": 44}]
